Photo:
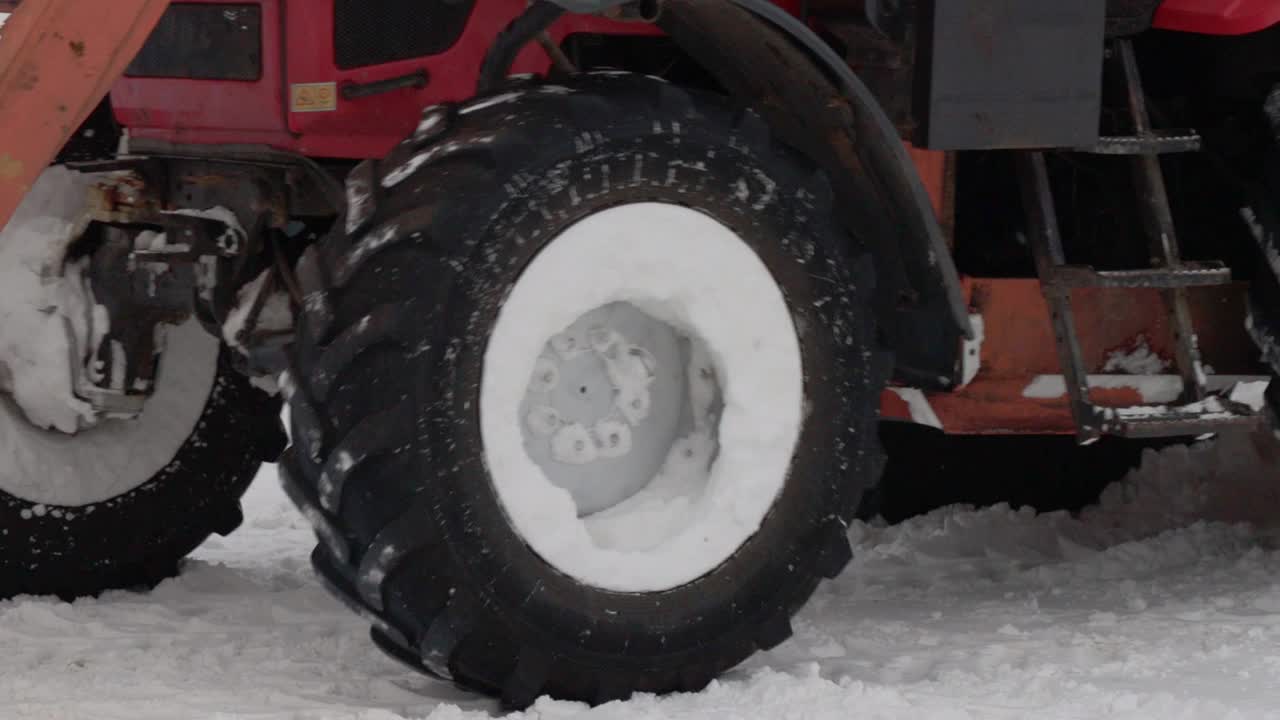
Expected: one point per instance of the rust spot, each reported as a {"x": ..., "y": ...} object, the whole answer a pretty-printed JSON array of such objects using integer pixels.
[
  {"x": 77, "y": 48},
  {"x": 28, "y": 77},
  {"x": 10, "y": 168}
]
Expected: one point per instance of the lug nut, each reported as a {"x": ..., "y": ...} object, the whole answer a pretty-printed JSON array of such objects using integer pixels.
[
  {"x": 602, "y": 339},
  {"x": 613, "y": 438},
  {"x": 633, "y": 403},
  {"x": 568, "y": 345},
  {"x": 543, "y": 420},
  {"x": 572, "y": 445},
  {"x": 546, "y": 375}
]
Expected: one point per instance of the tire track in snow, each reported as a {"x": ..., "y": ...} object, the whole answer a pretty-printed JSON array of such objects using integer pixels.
[{"x": 1156, "y": 604}]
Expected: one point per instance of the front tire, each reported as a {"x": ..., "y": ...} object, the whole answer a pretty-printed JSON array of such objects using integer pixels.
[
  {"x": 120, "y": 505},
  {"x": 408, "y": 420}
]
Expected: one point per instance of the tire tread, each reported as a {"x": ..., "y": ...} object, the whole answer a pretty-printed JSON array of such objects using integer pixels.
[{"x": 443, "y": 634}]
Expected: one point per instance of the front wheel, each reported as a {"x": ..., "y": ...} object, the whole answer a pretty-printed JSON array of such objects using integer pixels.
[
  {"x": 586, "y": 392},
  {"x": 120, "y": 504}
]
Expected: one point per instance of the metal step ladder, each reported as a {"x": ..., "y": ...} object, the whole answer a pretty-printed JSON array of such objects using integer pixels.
[{"x": 1196, "y": 412}]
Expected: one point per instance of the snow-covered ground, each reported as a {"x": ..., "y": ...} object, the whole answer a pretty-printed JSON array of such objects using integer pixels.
[{"x": 1164, "y": 602}]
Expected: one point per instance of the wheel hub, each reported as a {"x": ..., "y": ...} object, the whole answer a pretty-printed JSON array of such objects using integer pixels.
[{"x": 608, "y": 400}]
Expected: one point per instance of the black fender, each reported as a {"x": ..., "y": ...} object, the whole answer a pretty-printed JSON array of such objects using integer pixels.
[{"x": 808, "y": 93}]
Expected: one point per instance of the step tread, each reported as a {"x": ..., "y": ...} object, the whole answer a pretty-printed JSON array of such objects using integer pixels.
[
  {"x": 1213, "y": 414},
  {"x": 1184, "y": 275},
  {"x": 1155, "y": 143}
]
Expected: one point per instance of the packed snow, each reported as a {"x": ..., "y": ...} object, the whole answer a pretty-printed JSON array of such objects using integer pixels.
[
  {"x": 918, "y": 405},
  {"x": 46, "y": 308},
  {"x": 971, "y": 352},
  {"x": 117, "y": 456},
  {"x": 1162, "y": 602},
  {"x": 48, "y": 315},
  {"x": 1151, "y": 388},
  {"x": 688, "y": 270},
  {"x": 1138, "y": 359}
]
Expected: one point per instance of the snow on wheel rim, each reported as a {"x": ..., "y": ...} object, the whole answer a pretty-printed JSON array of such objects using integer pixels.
[
  {"x": 620, "y": 401},
  {"x": 662, "y": 266},
  {"x": 48, "y": 467}
]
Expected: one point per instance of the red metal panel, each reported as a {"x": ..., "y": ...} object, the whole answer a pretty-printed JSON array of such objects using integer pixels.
[
  {"x": 1218, "y": 17},
  {"x": 216, "y": 111},
  {"x": 371, "y": 126},
  {"x": 932, "y": 166},
  {"x": 212, "y": 111},
  {"x": 1019, "y": 346},
  {"x": 57, "y": 60}
]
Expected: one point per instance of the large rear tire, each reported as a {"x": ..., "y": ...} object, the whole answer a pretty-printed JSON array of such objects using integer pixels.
[{"x": 413, "y": 391}]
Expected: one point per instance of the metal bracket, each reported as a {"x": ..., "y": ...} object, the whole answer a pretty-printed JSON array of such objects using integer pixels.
[
  {"x": 146, "y": 268},
  {"x": 1198, "y": 412}
]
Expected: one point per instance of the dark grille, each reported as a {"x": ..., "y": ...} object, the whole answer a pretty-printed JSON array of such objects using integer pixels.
[
  {"x": 369, "y": 32},
  {"x": 203, "y": 42}
]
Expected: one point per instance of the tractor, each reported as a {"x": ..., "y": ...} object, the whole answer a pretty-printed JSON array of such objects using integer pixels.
[{"x": 587, "y": 313}]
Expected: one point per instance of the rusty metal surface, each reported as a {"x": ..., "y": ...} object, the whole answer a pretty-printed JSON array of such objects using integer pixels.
[
  {"x": 309, "y": 190},
  {"x": 58, "y": 58},
  {"x": 1019, "y": 341},
  {"x": 143, "y": 189},
  {"x": 1019, "y": 348},
  {"x": 149, "y": 266},
  {"x": 1046, "y": 245},
  {"x": 885, "y": 64}
]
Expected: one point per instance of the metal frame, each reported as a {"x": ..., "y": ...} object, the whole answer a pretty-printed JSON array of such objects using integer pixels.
[
  {"x": 1169, "y": 275},
  {"x": 58, "y": 59},
  {"x": 1157, "y": 219}
]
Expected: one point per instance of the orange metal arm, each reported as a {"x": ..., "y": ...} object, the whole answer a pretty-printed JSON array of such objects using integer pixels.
[{"x": 58, "y": 58}]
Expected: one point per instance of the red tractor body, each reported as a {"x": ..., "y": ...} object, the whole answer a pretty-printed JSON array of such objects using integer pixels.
[
  {"x": 302, "y": 100},
  {"x": 308, "y": 82},
  {"x": 514, "y": 265},
  {"x": 1217, "y": 17}
]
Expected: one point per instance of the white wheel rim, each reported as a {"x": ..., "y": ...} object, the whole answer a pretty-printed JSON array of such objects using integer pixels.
[
  {"x": 690, "y": 272},
  {"x": 48, "y": 467}
]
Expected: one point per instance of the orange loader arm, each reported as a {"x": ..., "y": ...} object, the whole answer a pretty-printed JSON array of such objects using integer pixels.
[{"x": 58, "y": 58}]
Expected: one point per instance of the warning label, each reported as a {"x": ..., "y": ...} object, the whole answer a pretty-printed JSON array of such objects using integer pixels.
[{"x": 313, "y": 97}]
